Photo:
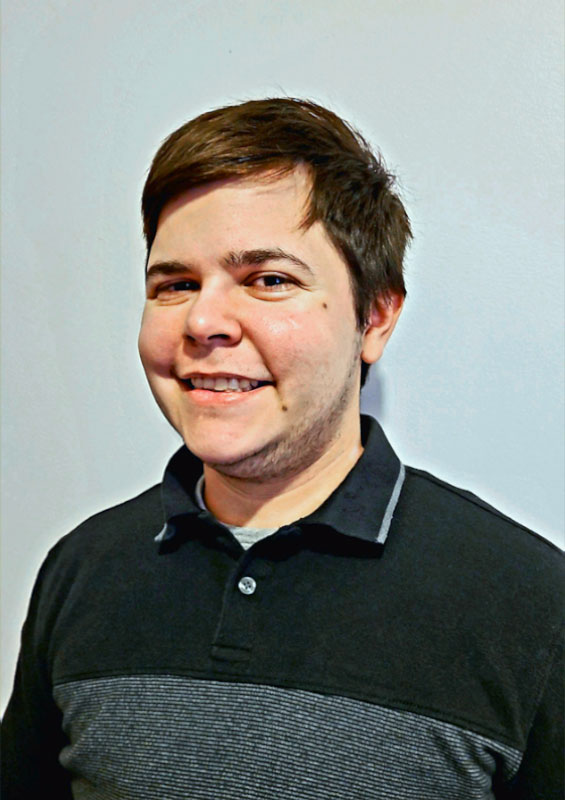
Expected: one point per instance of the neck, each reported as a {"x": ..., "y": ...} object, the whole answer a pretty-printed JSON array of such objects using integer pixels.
[{"x": 271, "y": 504}]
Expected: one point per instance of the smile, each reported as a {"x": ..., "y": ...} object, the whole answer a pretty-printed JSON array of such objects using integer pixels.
[{"x": 224, "y": 384}]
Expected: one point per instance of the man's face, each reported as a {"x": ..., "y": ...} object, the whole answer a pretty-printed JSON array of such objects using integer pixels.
[{"x": 237, "y": 294}]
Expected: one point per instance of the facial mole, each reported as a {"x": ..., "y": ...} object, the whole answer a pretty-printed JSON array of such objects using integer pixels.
[
  {"x": 284, "y": 408},
  {"x": 324, "y": 305}
]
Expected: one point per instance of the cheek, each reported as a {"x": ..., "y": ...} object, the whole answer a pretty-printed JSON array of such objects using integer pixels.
[
  {"x": 156, "y": 343},
  {"x": 306, "y": 339},
  {"x": 281, "y": 328}
]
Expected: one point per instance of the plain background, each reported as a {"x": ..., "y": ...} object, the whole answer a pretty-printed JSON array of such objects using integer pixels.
[{"x": 463, "y": 97}]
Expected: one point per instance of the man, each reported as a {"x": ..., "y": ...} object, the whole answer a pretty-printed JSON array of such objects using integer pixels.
[{"x": 292, "y": 613}]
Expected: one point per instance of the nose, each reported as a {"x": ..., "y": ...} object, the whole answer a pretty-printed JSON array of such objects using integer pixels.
[{"x": 212, "y": 319}]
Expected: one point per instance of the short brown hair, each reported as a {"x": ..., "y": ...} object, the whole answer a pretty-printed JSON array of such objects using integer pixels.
[{"x": 352, "y": 191}]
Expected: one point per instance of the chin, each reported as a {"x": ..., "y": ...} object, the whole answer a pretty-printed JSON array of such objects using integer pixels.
[
  {"x": 221, "y": 454},
  {"x": 259, "y": 463}
]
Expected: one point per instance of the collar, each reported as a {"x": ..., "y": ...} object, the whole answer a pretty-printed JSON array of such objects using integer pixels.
[{"x": 362, "y": 505}]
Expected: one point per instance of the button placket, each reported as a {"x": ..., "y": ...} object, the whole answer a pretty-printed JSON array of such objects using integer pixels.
[{"x": 235, "y": 634}]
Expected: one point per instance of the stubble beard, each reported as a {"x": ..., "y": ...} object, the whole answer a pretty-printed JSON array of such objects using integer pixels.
[{"x": 300, "y": 448}]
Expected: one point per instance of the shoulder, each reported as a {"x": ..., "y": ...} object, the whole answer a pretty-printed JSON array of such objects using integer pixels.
[
  {"x": 440, "y": 502},
  {"x": 113, "y": 533},
  {"x": 107, "y": 550},
  {"x": 469, "y": 565},
  {"x": 133, "y": 516},
  {"x": 474, "y": 539}
]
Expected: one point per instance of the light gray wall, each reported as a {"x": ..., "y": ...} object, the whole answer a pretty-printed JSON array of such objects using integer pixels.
[{"x": 464, "y": 99}]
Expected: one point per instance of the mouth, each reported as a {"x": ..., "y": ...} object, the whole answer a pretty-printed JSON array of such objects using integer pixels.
[{"x": 223, "y": 383}]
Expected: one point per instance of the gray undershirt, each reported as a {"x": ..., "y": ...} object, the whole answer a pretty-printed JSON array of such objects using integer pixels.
[{"x": 245, "y": 536}]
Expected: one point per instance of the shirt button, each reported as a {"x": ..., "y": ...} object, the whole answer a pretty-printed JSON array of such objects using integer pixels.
[{"x": 247, "y": 585}]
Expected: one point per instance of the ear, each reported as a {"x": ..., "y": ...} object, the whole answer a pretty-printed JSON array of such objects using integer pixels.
[{"x": 382, "y": 319}]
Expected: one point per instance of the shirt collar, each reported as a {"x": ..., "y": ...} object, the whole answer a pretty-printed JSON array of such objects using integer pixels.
[
  {"x": 362, "y": 505},
  {"x": 177, "y": 491}
]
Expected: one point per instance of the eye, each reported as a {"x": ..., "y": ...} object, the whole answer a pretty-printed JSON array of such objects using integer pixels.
[
  {"x": 178, "y": 286},
  {"x": 272, "y": 282},
  {"x": 172, "y": 289}
]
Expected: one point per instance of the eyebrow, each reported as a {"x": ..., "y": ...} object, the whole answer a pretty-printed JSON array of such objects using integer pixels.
[
  {"x": 167, "y": 268},
  {"x": 244, "y": 258},
  {"x": 234, "y": 260}
]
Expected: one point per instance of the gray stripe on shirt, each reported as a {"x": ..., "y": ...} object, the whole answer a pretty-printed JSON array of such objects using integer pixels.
[{"x": 169, "y": 737}]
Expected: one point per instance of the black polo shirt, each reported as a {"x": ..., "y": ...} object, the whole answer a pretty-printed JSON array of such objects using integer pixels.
[{"x": 400, "y": 642}]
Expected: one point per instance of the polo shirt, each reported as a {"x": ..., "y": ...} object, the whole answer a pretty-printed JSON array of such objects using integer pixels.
[{"x": 402, "y": 641}]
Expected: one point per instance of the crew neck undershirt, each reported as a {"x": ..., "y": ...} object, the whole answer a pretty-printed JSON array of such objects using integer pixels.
[{"x": 244, "y": 535}]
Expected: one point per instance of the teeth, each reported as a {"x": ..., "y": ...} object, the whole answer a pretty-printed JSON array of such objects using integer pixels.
[{"x": 224, "y": 384}]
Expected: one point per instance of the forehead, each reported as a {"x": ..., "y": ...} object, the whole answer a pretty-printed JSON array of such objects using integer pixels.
[{"x": 267, "y": 201}]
